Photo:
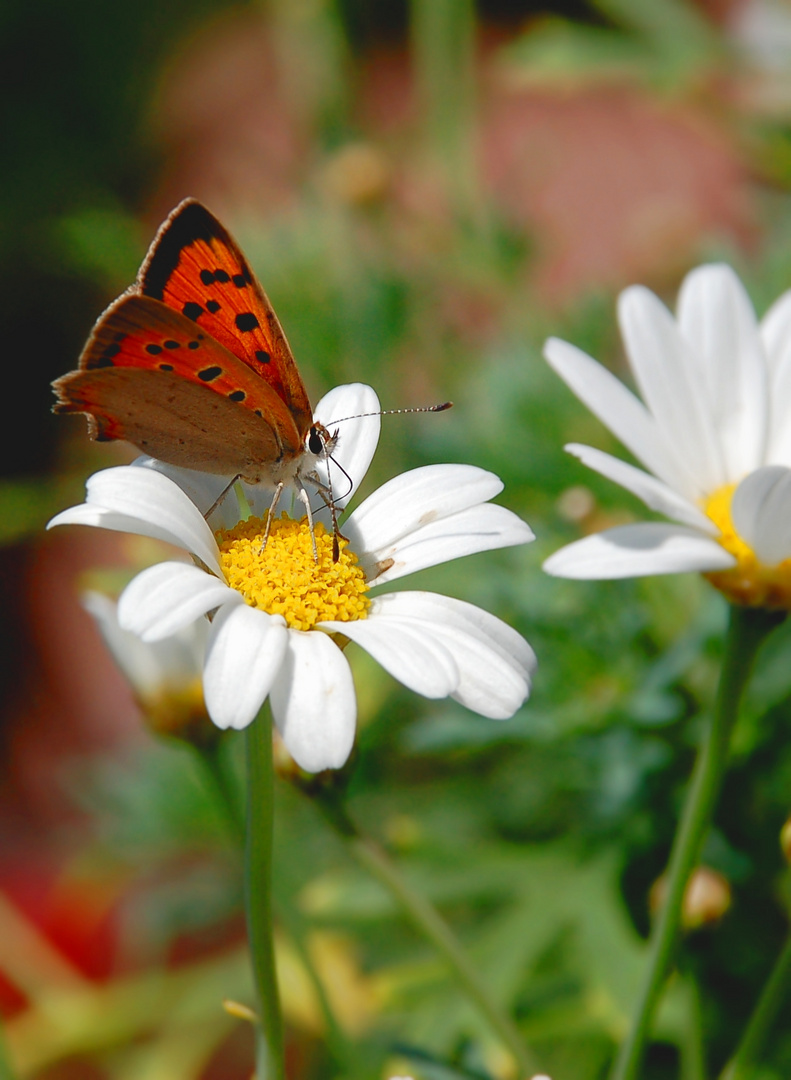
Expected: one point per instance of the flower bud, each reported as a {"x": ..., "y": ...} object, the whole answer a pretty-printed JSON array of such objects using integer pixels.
[{"x": 706, "y": 899}]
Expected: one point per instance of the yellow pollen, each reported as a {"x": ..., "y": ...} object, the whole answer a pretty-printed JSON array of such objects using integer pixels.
[
  {"x": 750, "y": 582},
  {"x": 282, "y": 578}
]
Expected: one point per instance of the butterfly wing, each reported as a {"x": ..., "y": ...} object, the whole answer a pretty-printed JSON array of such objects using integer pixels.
[
  {"x": 151, "y": 376},
  {"x": 195, "y": 267}
]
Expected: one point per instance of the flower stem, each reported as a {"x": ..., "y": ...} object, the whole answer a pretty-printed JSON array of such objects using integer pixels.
[
  {"x": 258, "y": 896},
  {"x": 429, "y": 921},
  {"x": 6, "y": 1071},
  {"x": 747, "y": 628},
  {"x": 443, "y": 52},
  {"x": 761, "y": 1020}
]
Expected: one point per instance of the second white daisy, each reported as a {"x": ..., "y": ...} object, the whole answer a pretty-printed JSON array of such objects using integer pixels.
[{"x": 713, "y": 430}]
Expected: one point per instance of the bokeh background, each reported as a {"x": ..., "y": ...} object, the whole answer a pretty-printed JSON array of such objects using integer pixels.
[{"x": 426, "y": 190}]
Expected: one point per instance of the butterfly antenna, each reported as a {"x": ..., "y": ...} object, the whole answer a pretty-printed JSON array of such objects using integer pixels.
[
  {"x": 336, "y": 532},
  {"x": 395, "y": 412}
]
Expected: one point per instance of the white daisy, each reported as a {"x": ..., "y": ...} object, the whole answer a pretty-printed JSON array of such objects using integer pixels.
[
  {"x": 277, "y": 617},
  {"x": 713, "y": 429}
]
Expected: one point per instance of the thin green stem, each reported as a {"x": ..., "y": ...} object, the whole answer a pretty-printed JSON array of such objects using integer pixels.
[
  {"x": 428, "y": 920},
  {"x": 772, "y": 996},
  {"x": 443, "y": 50},
  {"x": 258, "y": 896},
  {"x": 747, "y": 629},
  {"x": 6, "y": 1071},
  {"x": 693, "y": 1052}
]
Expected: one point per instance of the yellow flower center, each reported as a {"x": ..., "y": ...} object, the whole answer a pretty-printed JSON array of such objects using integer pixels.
[
  {"x": 283, "y": 578},
  {"x": 750, "y": 582}
]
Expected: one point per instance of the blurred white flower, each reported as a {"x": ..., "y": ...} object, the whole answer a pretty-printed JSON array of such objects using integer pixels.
[
  {"x": 165, "y": 676},
  {"x": 278, "y": 618},
  {"x": 713, "y": 430}
]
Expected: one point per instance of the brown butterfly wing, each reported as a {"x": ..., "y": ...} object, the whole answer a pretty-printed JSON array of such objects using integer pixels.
[
  {"x": 196, "y": 267},
  {"x": 150, "y": 376}
]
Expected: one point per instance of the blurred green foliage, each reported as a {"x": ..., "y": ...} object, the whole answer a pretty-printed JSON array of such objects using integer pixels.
[{"x": 540, "y": 837}]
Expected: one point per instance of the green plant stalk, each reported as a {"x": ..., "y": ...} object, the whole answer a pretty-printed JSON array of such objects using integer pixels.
[
  {"x": 443, "y": 52},
  {"x": 429, "y": 922},
  {"x": 6, "y": 1072},
  {"x": 747, "y": 629},
  {"x": 776, "y": 989},
  {"x": 258, "y": 896},
  {"x": 693, "y": 1056}
]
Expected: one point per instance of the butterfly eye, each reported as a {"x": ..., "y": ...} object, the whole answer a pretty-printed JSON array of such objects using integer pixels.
[{"x": 315, "y": 442}]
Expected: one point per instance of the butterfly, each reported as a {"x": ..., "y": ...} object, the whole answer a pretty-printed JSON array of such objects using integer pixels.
[{"x": 191, "y": 365}]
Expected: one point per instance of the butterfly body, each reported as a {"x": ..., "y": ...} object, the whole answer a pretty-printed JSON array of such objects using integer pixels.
[{"x": 192, "y": 367}]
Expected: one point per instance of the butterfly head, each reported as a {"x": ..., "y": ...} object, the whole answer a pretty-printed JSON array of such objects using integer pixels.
[{"x": 320, "y": 441}]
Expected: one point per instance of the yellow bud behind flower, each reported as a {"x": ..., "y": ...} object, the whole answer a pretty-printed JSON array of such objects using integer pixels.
[{"x": 707, "y": 898}]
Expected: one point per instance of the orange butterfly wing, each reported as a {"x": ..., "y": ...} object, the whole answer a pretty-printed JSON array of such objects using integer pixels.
[
  {"x": 195, "y": 267},
  {"x": 151, "y": 376}
]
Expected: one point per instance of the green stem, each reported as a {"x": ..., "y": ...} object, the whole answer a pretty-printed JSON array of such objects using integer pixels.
[
  {"x": 747, "y": 629},
  {"x": 693, "y": 1054},
  {"x": 761, "y": 1020},
  {"x": 258, "y": 896},
  {"x": 428, "y": 920},
  {"x": 6, "y": 1071},
  {"x": 443, "y": 51}
]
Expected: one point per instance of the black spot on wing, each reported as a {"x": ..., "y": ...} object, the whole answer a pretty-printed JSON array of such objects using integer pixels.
[
  {"x": 222, "y": 276},
  {"x": 171, "y": 344},
  {"x": 192, "y": 310},
  {"x": 262, "y": 356},
  {"x": 207, "y": 277},
  {"x": 111, "y": 351},
  {"x": 154, "y": 350},
  {"x": 209, "y": 374},
  {"x": 193, "y": 345},
  {"x": 212, "y": 306},
  {"x": 165, "y": 367},
  {"x": 246, "y": 321},
  {"x": 237, "y": 395},
  {"x": 240, "y": 281}
]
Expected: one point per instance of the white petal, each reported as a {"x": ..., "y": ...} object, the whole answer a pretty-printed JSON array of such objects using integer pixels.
[
  {"x": 761, "y": 513},
  {"x": 673, "y": 387},
  {"x": 776, "y": 334},
  {"x": 417, "y": 498},
  {"x": 717, "y": 318},
  {"x": 637, "y": 551},
  {"x": 458, "y": 613},
  {"x": 775, "y": 327},
  {"x": 409, "y": 651},
  {"x": 171, "y": 664},
  {"x": 145, "y": 502},
  {"x": 494, "y": 663},
  {"x": 244, "y": 654},
  {"x": 313, "y": 701},
  {"x": 656, "y": 495},
  {"x": 618, "y": 408},
  {"x": 479, "y": 528},
  {"x": 166, "y": 597},
  {"x": 204, "y": 489},
  {"x": 357, "y": 435},
  {"x": 137, "y": 660}
]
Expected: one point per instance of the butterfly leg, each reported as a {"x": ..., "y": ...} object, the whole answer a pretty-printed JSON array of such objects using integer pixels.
[
  {"x": 304, "y": 498},
  {"x": 270, "y": 517},
  {"x": 221, "y": 496}
]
